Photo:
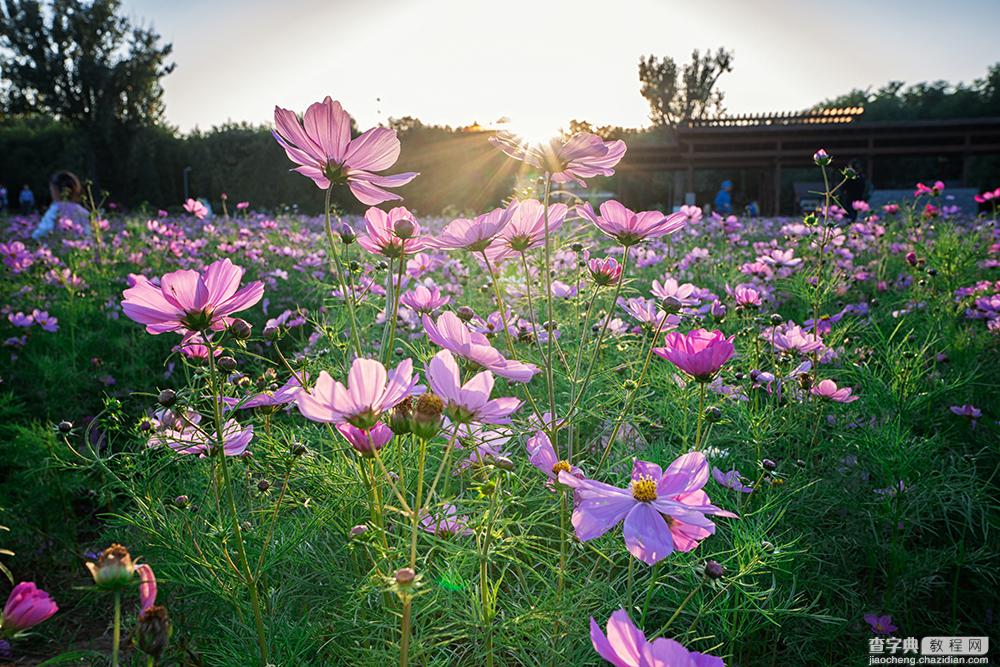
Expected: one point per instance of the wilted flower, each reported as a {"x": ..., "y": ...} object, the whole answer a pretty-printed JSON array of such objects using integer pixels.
[
  {"x": 153, "y": 630},
  {"x": 114, "y": 568}
]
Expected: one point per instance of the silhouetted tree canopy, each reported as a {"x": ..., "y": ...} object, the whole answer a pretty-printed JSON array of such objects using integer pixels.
[
  {"x": 678, "y": 94},
  {"x": 928, "y": 100}
]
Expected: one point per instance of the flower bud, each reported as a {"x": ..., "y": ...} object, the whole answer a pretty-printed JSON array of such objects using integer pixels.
[
  {"x": 181, "y": 501},
  {"x": 714, "y": 569},
  {"x": 346, "y": 232},
  {"x": 776, "y": 319},
  {"x": 576, "y": 247},
  {"x": 425, "y": 421},
  {"x": 65, "y": 426},
  {"x": 671, "y": 304},
  {"x": 404, "y": 228},
  {"x": 465, "y": 313},
  {"x": 240, "y": 329},
  {"x": 272, "y": 331},
  {"x": 263, "y": 485},
  {"x": 167, "y": 397},
  {"x": 713, "y": 414},
  {"x": 822, "y": 158},
  {"x": 227, "y": 364},
  {"x": 768, "y": 465},
  {"x": 358, "y": 531},
  {"x": 298, "y": 449},
  {"x": 152, "y": 631},
  {"x": 114, "y": 569}
]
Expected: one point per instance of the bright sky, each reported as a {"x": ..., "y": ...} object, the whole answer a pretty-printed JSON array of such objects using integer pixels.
[{"x": 544, "y": 62}]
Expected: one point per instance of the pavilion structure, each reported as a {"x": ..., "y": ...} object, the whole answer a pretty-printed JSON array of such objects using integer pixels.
[{"x": 771, "y": 143}]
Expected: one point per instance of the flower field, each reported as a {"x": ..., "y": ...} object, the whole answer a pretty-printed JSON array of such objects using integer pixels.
[{"x": 550, "y": 433}]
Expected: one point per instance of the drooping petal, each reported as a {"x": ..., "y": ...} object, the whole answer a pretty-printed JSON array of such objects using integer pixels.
[{"x": 647, "y": 535}]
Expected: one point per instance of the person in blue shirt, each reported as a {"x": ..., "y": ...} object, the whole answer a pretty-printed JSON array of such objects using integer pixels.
[
  {"x": 724, "y": 200},
  {"x": 26, "y": 199},
  {"x": 66, "y": 191}
]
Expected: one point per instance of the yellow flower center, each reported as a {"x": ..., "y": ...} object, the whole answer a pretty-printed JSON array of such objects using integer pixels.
[
  {"x": 644, "y": 489},
  {"x": 561, "y": 466}
]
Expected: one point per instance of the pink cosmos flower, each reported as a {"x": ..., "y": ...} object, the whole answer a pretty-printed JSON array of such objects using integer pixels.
[
  {"x": 671, "y": 288},
  {"x": 196, "y": 208},
  {"x": 366, "y": 442},
  {"x": 543, "y": 456},
  {"x": 584, "y": 155},
  {"x": 474, "y": 235},
  {"x": 186, "y": 301},
  {"x": 822, "y": 158},
  {"x": 383, "y": 237},
  {"x": 446, "y": 523},
  {"x": 189, "y": 438},
  {"x": 699, "y": 353},
  {"x": 370, "y": 391},
  {"x": 693, "y": 214},
  {"x": 629, "y": 227},
  {"x": 731, "y": 480},
  {"x": 626, "y": 646},
  {"x": 322, "y": 145},
  {"x": 969, "y": 411},
  {"x": 828, "y": 389},
  {"x": 27, "y": 606},
  {"x": 881, "y": 625},
  {"x": 451, "y": 333},
  {"x": 929, "y": 190},
  {"x": 147, "y": 586},
  {"x": 469, "y": 402},
  {"x": 526, "y": 229},
  {"x": 19, "y": 319},
  {"x": 662, "y": 511},
  {"x": 424, "y": 300},
  {"x": 747, "y": 296},
  {"x": 45, "y": 321},
  {"x": 242, "y": 205},
  {"x": 605, "y": 271}
]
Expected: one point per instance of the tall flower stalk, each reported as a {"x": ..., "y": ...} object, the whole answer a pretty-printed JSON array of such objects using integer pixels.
[{"x": 339, "y": 270}]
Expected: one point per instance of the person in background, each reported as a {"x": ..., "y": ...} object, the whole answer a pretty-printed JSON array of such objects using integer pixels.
[
  {"x": 65, "y": 189},
  {"x": 3, "y": 197},
  {"x": 723, "y": 204},
  {"x": 752, "y": 209},
  {"x": 855, "y": 189},
  {"x": 26, "y": 199}
]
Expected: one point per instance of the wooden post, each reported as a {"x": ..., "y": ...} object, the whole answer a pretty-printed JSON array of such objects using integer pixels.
[{"x": 777, "y": 187}]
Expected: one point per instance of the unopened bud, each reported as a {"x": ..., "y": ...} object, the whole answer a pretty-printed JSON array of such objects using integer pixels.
[
  {"x": 241, "y": 329},
  {"x": 358, "y": 531},
  {"x": 405, "y": 576},
  {"x": 167, "y": 397},
  {"x": 298, "y": 449},
  {"x": 65, "y": 426},
  {"x": 271, "y": 331},
  {"x": 263, "y": 485},
  {"x": 181, "y": 501},
  {"x": 713, "y": 414},
  {"x": 671, "y": 304},
  {"x": 768, "y": 465},
  {"x": 465, "y": 313},
  {"x": 714, "y": 569},
  {"x": 227, "y": 363},
  {"x": 776, "y": 319},
  {"x": 404, "y": 228},
  {"x": 347, "y": 234}
]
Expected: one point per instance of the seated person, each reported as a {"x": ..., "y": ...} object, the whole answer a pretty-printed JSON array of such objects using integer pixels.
[{"x": 65, "y": 189}]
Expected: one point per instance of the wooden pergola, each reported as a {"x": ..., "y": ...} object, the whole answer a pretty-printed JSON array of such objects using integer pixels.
[{"x": 773, "y": 142}]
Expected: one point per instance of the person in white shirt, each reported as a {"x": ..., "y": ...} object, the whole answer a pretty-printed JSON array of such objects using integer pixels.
[{"x": 66, "y": 191}]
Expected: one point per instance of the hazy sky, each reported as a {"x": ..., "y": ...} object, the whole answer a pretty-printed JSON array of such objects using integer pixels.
[{"x": 543, "y": 62}]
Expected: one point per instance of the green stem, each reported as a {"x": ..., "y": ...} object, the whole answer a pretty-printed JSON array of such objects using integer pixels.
[
  {"x": 649, "y": 593},
  {"x": 348, "y": 296},
  {"x": 116, "y": 637},
  {"x": 395, "y": 309},
  {"x": 548, "y": 297},
  {"x": 248, "y": 577},
  {"x": 701, "y": 415}
]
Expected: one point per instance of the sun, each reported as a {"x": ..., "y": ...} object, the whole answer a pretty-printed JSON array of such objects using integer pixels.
[{"x": 533, "y": 131}]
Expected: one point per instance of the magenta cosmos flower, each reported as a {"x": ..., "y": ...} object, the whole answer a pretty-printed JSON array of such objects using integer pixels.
[
  {"x": 196, "y": 208},
  {"x": 451, "y": 333},
  {"x": 474, "y": 235},
  {"x": 629, "y": 227},
  {"x": 880, "y": 625},
  {"x": 699, "y": 353},
  {"x": 27, "y": 606},
  {"x": 370, "y": 391},
  {"x": 828, "y": 389},
  {"x": 584, "y": 155},
  {"x": 384, "y": 235},
  {"x": 187, "y": 301},
  {"x": 469, "y": 402},
  {"x": 147, "y": 586},
  {"x": 366, "y": 442},
  {"x": 321, "y": 144},
  {"x": 626, "y": 646},
  {"x": 662, "y": 511},
  {"x": 446, "y": 523}
]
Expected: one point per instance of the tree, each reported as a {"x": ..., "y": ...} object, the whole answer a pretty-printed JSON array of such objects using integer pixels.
[
  {"x": 936, "y": 99},
  {"x": 84, "y": 63},
  {"x": 678, "y": 95}
]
